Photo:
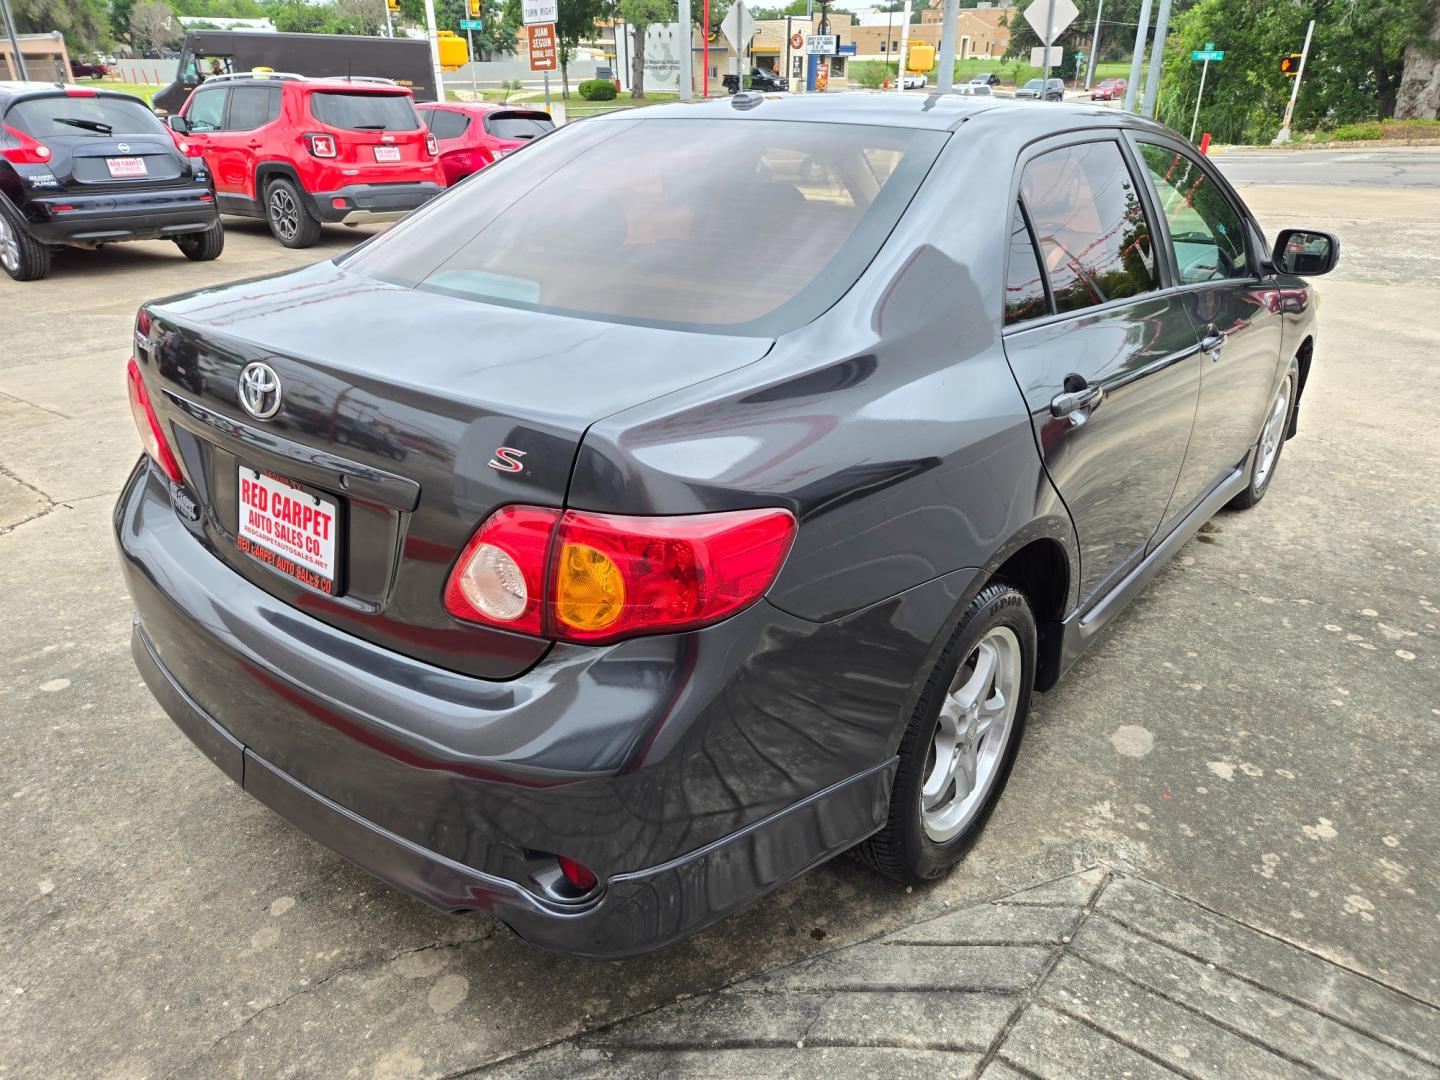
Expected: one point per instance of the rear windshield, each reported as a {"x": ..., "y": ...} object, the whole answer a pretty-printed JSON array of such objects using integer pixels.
[
  {"x": 364, "y": 112},
  {"x": 518, "y": 125},
  {"x": 47, "y": 117},
  {"x": 745, "y": 226}
]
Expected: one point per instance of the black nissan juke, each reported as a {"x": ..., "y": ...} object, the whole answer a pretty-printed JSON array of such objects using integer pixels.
[{"x": 82, "y": 167}]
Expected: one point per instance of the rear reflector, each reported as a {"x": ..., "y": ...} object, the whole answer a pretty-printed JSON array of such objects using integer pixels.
[
  {"x": 339, "y": 204},
  {"x": 579, "y": 875},
  {"x": 152, "y": 436},
  {"x": 597, "y": 577}
]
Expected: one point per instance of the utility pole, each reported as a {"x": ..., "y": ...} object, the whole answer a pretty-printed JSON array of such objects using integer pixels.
[
  {"x": 945, "y": 81},
  {"x": 18, "y": 67},
  {"x": 1284, "y": 136},
  {"x": 1141, "y": 33},
  {"x": 687, "y": 53},
  {"x": 1157, "y": 60},
  {"x": 434, "y": 50},
  {"x": 1094, "y": 46},
  {"x": 904, "y": 42}
]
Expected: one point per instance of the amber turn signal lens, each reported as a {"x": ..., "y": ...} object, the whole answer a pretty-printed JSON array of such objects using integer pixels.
[{"x": 589, "y": 588}]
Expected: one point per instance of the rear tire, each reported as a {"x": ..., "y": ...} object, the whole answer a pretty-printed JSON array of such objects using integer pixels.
[
  {"x": 1272, "y": 441},
  {"x": 290, "y": 219},
  {"x": 975, "y": 719},
  {"x": 203, "y": 246},
  {"x": 23, "y": 257}
]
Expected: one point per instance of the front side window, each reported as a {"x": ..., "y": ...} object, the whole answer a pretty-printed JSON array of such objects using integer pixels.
[
  {"x": 1088, "y": 219},
  {"x": 1206, "y": 231},
  {"x": 364, "y": 112},
  {"x": 207, "y": 108},
  {"x": 632, "y": 220},
  {"x": 1024, "y": 280},
  {"x": 48, "y": 117}
]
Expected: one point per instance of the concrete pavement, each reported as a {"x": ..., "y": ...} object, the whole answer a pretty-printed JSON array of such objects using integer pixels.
[{"x": 1255, "y": 741}]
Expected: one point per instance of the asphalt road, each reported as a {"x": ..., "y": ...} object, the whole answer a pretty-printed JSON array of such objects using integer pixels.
[
  {"x": 1382, "y": 167},
  {"x": 1258, "y": 734}
]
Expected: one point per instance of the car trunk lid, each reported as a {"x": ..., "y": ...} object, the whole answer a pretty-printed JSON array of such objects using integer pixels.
[{"x": 394, "y": 407}]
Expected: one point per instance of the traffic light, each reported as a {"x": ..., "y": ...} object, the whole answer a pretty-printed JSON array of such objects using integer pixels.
[
  {"x": 474, "y": 8},
  {"x": 1290, "y": 65},
  {"x": 393, "y": 6}
]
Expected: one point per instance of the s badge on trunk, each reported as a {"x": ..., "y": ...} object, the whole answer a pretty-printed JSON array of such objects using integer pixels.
[
  {"x": 507, "y": 459},
  {"x": 260, "y": 390}
]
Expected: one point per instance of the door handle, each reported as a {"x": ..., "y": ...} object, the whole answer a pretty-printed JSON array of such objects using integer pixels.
[
  {"x": 1077, "y": 399},
  {"x": 254, "y": 145},
  {"x": 1212, "y": 342}
]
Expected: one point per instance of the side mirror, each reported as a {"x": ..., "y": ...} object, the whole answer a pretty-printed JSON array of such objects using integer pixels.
[
  {"x": 1306, "y": 252},
  {"x": 178, "y": 124}
]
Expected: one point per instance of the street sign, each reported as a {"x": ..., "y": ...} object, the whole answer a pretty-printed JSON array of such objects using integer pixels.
[
  {"x": 472, "y": 24},
  {"x": 738, "y": 27},
  {"x": 822, "y": 44},
  {"x": 534, "y": 12},
  {"x": 1038, "y": 14},
  {"x": 1207, "y": 54},
  {"x": 542, "y": 46},
  {"x": 1039, "y": 59}
]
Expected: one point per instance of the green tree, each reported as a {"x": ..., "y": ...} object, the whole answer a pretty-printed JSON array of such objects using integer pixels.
[
  {"x": 497, "y": 39},
  {"x": 84, "y": 23},
  {"x": 640, "y": 14}
]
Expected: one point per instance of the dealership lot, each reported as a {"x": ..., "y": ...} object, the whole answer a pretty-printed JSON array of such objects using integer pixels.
[{"x": 1255, "y": 740}]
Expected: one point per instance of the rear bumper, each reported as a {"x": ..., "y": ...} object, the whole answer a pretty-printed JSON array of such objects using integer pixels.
[
  {"x": 112, "y": 218},
  {"x": 368, "y": 203},
  {"x": 693, "y": 773}
]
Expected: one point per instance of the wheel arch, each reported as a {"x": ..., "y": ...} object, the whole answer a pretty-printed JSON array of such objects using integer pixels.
[
  {"x": 1303, "y": 355},
  {"x": 272, "y": 170},
  {"x": 1041, "y": 569}
]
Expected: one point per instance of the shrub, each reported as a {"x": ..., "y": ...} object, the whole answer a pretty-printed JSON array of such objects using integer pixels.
[
  {"x": 870, "y": 74},
  {"x": 597, "y": 90}
]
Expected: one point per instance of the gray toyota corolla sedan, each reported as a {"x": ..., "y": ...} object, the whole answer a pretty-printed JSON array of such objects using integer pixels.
[{"x": 698, "y": 493}]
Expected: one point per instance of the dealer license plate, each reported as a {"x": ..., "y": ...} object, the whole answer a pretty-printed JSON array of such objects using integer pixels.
[
  {"x": 127, "y": 166},
  {"x": 387, "y": 153},
  {"x": 287, "y": 528}
]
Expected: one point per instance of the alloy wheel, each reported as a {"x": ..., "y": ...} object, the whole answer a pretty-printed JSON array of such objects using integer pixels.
[
  {"x": 284, "y": 214},
  {"x": 976, "y": 720},
  {"x": 1273, "y": 435},
  {"x": 9, "y": 246}
]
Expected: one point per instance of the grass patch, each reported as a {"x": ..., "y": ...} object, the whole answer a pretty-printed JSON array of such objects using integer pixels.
[
  {"x": 140, "y": 90},
  {"x": 578, "y": 106},
  {"x": 1383, "y": 129}
]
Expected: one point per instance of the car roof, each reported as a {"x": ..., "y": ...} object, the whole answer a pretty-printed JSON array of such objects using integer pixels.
[
  {"x": 14, "y": 90},
  {"x": 934, "y": 111},
  {"x": 480, "y": 108}
]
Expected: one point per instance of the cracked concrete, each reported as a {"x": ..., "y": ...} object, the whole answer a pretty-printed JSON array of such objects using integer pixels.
[{"x": 155, "y": 922}]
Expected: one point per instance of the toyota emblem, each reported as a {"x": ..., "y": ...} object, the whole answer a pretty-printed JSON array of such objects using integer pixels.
[
  {"x": 123, "y": 147},
  {"x": 260, "y": 390}
]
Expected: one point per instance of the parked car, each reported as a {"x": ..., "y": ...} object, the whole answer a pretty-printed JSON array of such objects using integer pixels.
[
  {"x": 1108, "y": 90},
  {"x": 299, "y": 152},
  {"x": 915, "y": 81},
  {"x": 989, "y": 78},
  {"x": 759, "y": 79},
  {"x": 473, "y": 136},
  {"x": 971, "y": 89},
  {"x": 1053, "y": 89},
  {"x": 701, "y": 578},
  {"x": 83, "y": 168},
  {"x": 79, "y": 69}
]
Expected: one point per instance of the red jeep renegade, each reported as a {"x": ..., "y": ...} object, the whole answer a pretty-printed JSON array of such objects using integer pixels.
[{"x": 299, "y": 152}]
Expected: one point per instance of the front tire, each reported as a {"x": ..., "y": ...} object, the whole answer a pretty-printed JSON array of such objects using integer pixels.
[
  {"x": 1272, "y": 441},
  {"x": 203, "y": 246},
  {"x": 22, "y": 256},
  {"x": 957, "y": 752},
  {"x": 290, "y": 219}
]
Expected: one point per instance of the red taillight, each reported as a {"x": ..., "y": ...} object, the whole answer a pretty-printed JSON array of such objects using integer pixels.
[
  {"x": 30, "y": 151},
  {"x": 431, "y": 146},
  {"x": 321, "y": 145},
  {"x": 151, "y": 434},
  {"x": 597, "y": 577},
  {"x": 579, "y": 875}
]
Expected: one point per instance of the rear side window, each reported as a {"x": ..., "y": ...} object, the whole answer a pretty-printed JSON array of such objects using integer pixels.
[
  {"x": 1206, "y": 232},
  {"x": 637, "y": 221},
  {"x": 252, "y": 107},
  {"x": 364, "y": 112},
  {"x": 445, "y": 124},
  {"x": 47, "y": 117},
  {"x": 1090, "y": 224},
  {"x": 517, "y": 125},
  {"x": 1024, "y": 280}
]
